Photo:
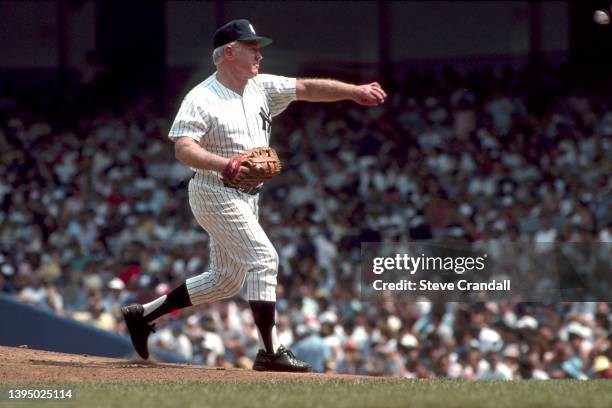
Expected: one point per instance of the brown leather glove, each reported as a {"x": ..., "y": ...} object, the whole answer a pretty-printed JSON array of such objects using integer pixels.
[{"x": 251, "y": 168}]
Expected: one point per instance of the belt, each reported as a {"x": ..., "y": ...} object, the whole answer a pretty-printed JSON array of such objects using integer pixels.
[
  {"x": 245, "y": 190},
  {"x": 218, "y": 182}
]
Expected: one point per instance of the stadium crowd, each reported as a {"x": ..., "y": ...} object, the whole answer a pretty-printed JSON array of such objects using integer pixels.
[{"x": 94, "y": 215}]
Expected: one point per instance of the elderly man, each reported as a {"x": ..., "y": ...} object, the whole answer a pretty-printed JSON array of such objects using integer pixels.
[{"x": 225, "y": 115}]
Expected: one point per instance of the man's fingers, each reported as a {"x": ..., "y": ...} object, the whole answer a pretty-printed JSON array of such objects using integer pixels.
[
  {"x": 378, "y": 95},
  {"x": 372, "y": 94},
  {"x": 374, "y": 90},
  {"x": 376, "y": 85},
  {"x": 382, "y": 91}
]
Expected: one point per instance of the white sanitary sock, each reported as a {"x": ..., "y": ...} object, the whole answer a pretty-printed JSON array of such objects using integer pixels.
[{"x": 151, "y": 306}]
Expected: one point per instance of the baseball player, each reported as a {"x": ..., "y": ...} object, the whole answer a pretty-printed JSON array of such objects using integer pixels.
[{"x": 222, "y": 131}]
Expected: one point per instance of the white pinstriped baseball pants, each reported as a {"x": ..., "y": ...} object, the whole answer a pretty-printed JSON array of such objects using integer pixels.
[{"x": 239, "y": 248}]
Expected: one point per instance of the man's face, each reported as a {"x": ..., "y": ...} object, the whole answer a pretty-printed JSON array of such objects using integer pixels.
[{"x": 246, "y": 58}]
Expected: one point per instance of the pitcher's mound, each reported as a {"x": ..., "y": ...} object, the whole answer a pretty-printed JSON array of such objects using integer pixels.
[{"x": 20, "y": 365}]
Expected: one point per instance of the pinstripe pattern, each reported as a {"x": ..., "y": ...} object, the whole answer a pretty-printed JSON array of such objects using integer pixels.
[{"x": 227, "y": 124}]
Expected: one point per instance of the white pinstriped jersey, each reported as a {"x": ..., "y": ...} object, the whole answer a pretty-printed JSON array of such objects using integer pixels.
[{"x": 225, "y": 123}]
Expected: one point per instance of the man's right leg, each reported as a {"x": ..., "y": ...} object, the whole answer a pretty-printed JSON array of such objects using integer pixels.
[
  {"x": 137, "y": 317},
  {"x": 223, "y": 280},
  {"x": 176, "y": 299}
]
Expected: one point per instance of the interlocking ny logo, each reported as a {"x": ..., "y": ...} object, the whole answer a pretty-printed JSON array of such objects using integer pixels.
[{"x": 266, "y": 119}]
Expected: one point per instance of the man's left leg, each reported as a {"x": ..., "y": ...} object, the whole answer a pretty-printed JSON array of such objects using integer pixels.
[
  {"x": 261, "y": 294},
  {"x": 281, "y": 359}
]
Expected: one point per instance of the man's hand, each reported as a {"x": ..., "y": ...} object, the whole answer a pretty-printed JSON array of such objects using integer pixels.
[
  {"x": 369, "y": 94},
  {"x": 237, "y": 169},
  {"x": 252, "y": 168}
]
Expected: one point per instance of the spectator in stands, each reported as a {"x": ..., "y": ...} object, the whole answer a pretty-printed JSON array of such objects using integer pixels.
[{"x": 311, "y": 347}]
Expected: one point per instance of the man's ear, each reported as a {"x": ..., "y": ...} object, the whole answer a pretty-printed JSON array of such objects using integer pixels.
[{"x": 229, "y": 51}]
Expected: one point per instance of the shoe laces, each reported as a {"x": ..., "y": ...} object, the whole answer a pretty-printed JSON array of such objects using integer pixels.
[{"x": 289, "y": 353}]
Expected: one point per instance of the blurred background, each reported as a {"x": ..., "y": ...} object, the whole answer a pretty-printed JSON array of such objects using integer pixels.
[{"x": 497, "y": 129}]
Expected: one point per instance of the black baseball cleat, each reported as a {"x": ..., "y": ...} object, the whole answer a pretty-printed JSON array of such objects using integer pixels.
[
  {"x": 282, "y": 360},
  {"x": 139, "y": 329}
]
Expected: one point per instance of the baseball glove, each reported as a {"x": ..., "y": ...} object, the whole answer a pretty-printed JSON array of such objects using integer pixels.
[{"x": 252, "y": 168}]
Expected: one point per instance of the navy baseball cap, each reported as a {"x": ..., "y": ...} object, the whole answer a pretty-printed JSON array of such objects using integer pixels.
[{"x": 238, "y": 30}]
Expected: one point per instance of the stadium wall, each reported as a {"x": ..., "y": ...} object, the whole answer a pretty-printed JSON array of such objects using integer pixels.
[{"x": 24, "y": 324}]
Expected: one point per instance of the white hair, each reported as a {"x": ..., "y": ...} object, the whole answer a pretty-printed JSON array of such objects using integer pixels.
[{"x": 217, "y": 54}]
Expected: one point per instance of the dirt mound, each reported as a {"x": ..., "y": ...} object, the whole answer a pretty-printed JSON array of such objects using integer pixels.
[{"x": 22, "y": 365}]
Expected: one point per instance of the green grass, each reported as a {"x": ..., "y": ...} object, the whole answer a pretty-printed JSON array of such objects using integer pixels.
[{"x": 379, "y": 394}]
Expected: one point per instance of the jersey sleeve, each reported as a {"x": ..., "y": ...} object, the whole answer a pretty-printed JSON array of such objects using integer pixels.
[
  {"x": 190, "y": 120},
  {"x": 279, "y": 90}
]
